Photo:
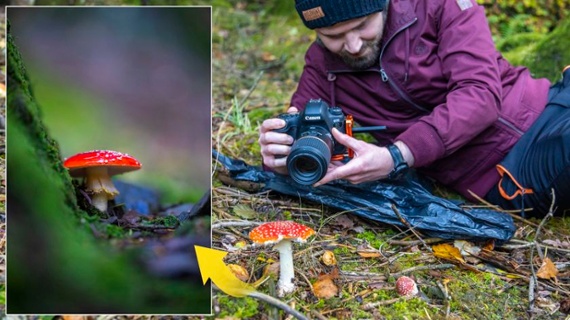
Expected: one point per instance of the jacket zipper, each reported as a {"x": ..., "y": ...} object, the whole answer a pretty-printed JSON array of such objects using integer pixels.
[
  {"x": 510, "y": 126},
  {"x": 385, "y": 77}
]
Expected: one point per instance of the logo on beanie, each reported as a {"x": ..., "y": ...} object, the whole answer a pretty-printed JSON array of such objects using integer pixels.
[{"x": 313, "y": 14}]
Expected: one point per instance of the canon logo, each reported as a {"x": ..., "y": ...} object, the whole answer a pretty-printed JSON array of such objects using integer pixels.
[{"x": 312, "y": 117}]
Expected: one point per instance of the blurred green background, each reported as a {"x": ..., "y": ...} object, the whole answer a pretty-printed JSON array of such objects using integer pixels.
[{"x": 130, "y": 79}]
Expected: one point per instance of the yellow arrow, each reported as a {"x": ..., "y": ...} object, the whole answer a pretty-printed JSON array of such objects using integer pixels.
[{"x": 212, "y": 266}]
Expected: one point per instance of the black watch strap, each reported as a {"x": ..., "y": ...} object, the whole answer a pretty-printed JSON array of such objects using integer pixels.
[{"x": 400, "y": 165}]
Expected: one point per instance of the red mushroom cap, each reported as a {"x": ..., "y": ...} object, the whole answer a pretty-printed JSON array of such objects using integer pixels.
[
  {"x": 406, "y": 286},
  {"x": 275, "y": 231},
  {"x": 115, "y": 162}
]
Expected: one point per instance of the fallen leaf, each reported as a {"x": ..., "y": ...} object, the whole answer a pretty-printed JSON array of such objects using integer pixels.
[
  {"x": 325, "y": 288},
  {"x": 328, "y": 258},
  {"x": 466, "y": 248},
  {"x": 448, "y": 252},
  {"x": 344, "y": 221},
  {"x": 547, "y": 269},
  {"x": 366, "y": 251},
  {"x": 244, "y": 211}
]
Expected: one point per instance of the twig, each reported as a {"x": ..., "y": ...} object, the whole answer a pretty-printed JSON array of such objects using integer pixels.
[
  {"x": 428, "y": 267},
  {"x": 534, "y": 280},
  {"x": 274, "y": 302},
  {"x": 446, "y": 298},
  {"x": 318, "y": 315},
  {"x": 409, "y": 226},
  {"x": 546, "y": 217},
  {"x": 241, "y": 223}
]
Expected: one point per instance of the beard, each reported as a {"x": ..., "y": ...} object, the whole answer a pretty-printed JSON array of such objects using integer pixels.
[{"x": 362, "y": 62}]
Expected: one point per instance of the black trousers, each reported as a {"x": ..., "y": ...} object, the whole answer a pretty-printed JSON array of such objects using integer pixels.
[{"x": 540, "y": 161}]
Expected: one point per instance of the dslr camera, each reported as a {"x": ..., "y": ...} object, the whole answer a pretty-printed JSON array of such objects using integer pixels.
[{"x": 314, "y": 146}]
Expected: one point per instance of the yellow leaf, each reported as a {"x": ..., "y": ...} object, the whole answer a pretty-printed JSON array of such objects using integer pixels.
[
  {"x": 239, "y": 272},
  {"x": 547, "y": 269},
  {"x": 448, "y": 252}
]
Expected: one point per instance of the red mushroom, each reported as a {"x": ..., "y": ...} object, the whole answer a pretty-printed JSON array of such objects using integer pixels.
[
  {"x": 97, "y": 167},
  {"x": 282, "y": 233},
  {"x": 406, "y": 286}
]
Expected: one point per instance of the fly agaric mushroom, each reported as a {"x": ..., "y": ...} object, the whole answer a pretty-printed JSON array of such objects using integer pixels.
[
  {"x": 282, "y": 233},
  {"x": 97, "y": 167},
  {"x": 406, "y": 286}
]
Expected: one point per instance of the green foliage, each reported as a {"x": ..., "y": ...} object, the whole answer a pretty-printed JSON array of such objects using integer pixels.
[
  {"x": 551, "y": 54},
  {"x": 508, "y": 17},
  {"x": 114, "y": 231},
  {"x": 242, "y": 308}
]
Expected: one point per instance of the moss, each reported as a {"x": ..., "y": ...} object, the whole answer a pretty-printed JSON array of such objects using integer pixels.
[
  {"x": 372, "y": 238},
  {"x": 243, "y": 308},
  {"x": 23, "y": 108},
  {"x": 114, "y": 231}
]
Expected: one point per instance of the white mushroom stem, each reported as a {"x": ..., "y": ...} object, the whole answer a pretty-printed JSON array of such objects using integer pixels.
[
  {"x": 99, "y": 183},
  {"x": 285, "y": 284}
]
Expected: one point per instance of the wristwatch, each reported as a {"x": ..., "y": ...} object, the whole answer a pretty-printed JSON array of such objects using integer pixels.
[{"x": 400, "y": 165}]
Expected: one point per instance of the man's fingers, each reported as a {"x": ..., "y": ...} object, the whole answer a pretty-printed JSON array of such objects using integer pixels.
[
  {"x": 292, "y": 110},
  {"x": 345, "y": 139},
  {"x": 271, "y": 124},
  {"x": 275, "y": 138},
  {"x": 336, "y": 173}
]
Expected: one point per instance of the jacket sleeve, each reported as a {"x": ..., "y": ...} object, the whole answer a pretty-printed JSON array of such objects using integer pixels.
[
  {"x": 469, "y": 63},
  {"x": 313, "y": 80}
]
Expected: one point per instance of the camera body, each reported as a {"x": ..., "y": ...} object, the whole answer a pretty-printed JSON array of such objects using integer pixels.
[{"x": 314, "y": 146}]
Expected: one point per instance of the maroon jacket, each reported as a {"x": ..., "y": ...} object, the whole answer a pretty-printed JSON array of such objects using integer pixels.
[{"x": 440, "y": 86}]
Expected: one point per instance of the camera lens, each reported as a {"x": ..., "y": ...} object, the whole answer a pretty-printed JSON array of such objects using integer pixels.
[{"x": 309, "y": 158}]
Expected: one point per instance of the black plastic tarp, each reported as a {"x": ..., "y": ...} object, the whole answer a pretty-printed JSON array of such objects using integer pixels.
[{"x": 431, "y": 215}]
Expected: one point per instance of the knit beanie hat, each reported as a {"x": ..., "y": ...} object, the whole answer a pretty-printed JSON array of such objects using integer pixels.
[{"x": 325, "y": 13}]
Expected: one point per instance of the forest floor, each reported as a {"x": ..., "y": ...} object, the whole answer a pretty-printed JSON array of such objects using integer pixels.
[{"x": 258, "y": 57}]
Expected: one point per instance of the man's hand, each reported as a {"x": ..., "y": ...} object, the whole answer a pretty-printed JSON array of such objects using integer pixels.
[
  {"x": 370, "y": 162},
  {"x": 275, "y": 146}
]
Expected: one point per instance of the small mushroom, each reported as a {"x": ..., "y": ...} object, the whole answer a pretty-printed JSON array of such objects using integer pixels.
[
  {"x": 406, "y": 286},
  {"x": 282, "y": 233},
  {"x": 97, "y": 166}
]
